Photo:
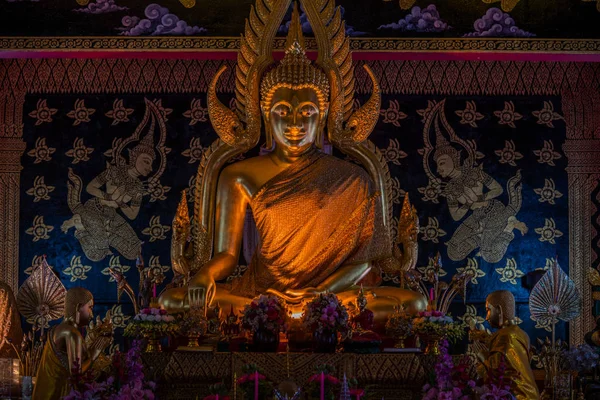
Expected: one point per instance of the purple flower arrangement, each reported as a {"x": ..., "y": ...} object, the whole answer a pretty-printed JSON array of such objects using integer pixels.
[
  {"x": 124, "y": 382},
  {"x": 453, "y": 382},
  {"x": 326, "y": 313},
  {"x": 265, "y": 313},
  {"x": 582, "y": 358}
]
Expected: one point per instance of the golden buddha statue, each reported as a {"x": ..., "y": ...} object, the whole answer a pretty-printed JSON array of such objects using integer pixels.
[
  {"x": 66, "y": 351},
  {"x": 324, "y": 223},
  {"x": 509, "y": 344}
]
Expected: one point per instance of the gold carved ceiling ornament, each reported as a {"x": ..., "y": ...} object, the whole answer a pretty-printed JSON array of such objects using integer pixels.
[
  {"x": 41, "y": 297},
  {"x": 240, "y": 130}
]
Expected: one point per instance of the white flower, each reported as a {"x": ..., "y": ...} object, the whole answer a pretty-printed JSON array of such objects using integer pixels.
[
  {"x": 435, "y": 319},
  {"x": 151, "y": 318},
  {"x": 137, "y": 318}
]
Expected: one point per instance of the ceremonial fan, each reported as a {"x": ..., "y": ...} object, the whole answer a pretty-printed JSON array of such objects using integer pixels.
[
  {"x": 553, "y": 298},
  {"x": 41, "y": 298}
]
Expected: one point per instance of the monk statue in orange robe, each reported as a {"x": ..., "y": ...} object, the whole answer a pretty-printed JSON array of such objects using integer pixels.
[
  {"x": 66, "y": 351},
  {"x": 324, "y": 224},
  {"x": 510, "y": 345}
]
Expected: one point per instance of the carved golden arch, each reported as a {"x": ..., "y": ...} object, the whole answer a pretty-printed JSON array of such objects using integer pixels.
[{"x": 576, "y": 83}]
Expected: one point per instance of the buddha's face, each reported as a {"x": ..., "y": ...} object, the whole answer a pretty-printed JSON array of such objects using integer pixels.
[
  {"x": 294, "y": 119},
  {"x": 445, "y": 165}
]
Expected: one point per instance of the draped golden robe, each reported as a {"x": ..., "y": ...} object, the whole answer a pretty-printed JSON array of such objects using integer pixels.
[
  {"x": 52, "y": 382},
  {"x": 318, "y": 214},
  {"x": 512, "y": 343}
]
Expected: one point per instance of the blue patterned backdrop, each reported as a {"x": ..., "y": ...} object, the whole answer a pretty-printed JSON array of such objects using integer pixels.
[{"x": 510, "y": 133}]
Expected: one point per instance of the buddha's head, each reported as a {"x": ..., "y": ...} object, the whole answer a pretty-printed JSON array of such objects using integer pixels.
[
  {"x": 294, "y": 102},
  {"x": 500, "y": 307},
  {"x": 79, "y": 305}
]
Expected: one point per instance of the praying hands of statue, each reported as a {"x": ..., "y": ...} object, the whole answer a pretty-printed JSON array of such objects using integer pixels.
[
  {"x": 480, "y": 350},
  {"x": 99, "y": 336}
]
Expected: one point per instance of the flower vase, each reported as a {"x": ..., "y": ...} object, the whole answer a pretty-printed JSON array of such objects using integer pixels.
[
  {"x": 153, "y": 343},
  {"x": 265, "y": 341},
  {"x": 325, "y": 341},
  {"x": 400, "y": 342},
  {"x": 432, "y": 344},
  {"x": 193, "y": 340}
]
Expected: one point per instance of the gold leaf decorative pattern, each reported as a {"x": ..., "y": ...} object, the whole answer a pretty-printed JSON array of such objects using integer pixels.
[
  {"x": 510, "y": 273},
  {"x": 156, "y": 230},
  {"x": 472, "y": 268},
  {"x": 117, "y": 317},
  {"x": 77, "y": 271},
  {"x": 39, "y": 230},
  {"x": 196, "y": 113},
  {"x": 508, "y": 155},
  {"x": 429, "y": 270},
  {"x": 432, "y": 231},
  {"x": 508, "y": 115},
  {"x": 115, "y": 264},
  {"x": 42, "y": 113},
  {"x": 41, "y": 151},
  {"x": 119, "y": 113},
  {"x": 548, "y": 193},
  {"x": 392, "y": 114},
  {"x": 393, "y": 153},
  {"x": 547, "y": 155},
  {"x": 40, "y": 191},
  {"x": 548, "y": 232},
  {"x": 469, "y": 116},
  {"x": 195, "y": 151},
  {"x": 471, "y": 319},
  {"x": 547, "y": 114},
  {"x": 81, "y": 113},
  {"x": 79, "y": 152}
]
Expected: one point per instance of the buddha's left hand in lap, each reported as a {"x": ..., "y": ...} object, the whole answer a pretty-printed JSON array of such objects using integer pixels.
[{"x": 295, "y": 296}]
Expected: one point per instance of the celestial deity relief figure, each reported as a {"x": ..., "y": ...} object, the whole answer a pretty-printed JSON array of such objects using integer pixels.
[
  {"x": 66, "y": 351},
  {"x": 468, "y": 189},
  {"x": 118, "y": 191},
  {"x": 510, "y": 344},
  {"x": 323, "y": 223}
]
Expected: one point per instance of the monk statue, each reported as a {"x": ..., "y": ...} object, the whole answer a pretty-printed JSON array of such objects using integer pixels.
[
  {"x": 66, "y": 351},
  {"x": 324, "y": 224},
  {"x": 510, "y": 344},
  {"x": 10, "y": 323}
]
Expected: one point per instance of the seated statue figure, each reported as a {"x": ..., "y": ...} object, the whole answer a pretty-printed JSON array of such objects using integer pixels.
[
  {"x": 323, "y": 223},
  {"x": 509, "y": 344},
  {"x": 66, "y": 351}
]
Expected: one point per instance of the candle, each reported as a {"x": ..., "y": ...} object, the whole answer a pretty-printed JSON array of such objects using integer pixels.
[
  {"x": 322, "y": 385},
  {"x": 235, "y": 386},
  {"x": 217, "y": 397},
  {"x": 255, "y": 385},
  {"x": 431, "y": 295},
  {"x": 154, "y": 290}
]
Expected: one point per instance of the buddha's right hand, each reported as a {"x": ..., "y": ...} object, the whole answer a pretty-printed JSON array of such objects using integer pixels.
[{"x": 201, "y": 290}]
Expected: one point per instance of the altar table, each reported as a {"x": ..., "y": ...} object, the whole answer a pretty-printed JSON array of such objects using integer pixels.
[{"x": 185, "y": 375}]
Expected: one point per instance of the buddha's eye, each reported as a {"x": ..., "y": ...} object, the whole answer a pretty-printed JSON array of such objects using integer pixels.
[
  {"x": 307, "y": 111},
  {"x": 281, "y": 110}
]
